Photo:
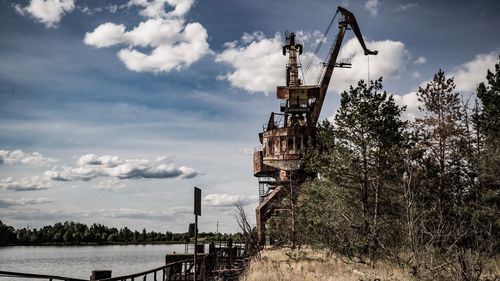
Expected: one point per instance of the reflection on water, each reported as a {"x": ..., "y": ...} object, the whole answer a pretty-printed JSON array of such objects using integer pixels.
[{"x": 79, "y": 261}]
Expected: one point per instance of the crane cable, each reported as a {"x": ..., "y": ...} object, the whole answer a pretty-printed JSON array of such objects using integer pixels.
[
  {"x": 323, "y": 39},
  {"x": 368, "y": 70}
]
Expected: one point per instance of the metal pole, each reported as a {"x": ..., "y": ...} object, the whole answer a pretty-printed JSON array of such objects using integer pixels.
[
  {"x": 195, "y": 243},
  {"x": 292, "y": 195}
]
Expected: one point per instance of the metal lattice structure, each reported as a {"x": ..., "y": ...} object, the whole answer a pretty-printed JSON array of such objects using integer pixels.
[{"x": 287, "y": 133}]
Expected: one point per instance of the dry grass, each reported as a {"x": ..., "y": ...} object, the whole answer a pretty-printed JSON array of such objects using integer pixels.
[{"x": 306, "y": 264}]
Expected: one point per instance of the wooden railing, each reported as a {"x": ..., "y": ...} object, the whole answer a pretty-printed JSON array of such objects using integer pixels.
[{"x": 184, "y": 270}]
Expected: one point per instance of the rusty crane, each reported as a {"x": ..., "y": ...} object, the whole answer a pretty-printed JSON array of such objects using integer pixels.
[{"x": 277, "y": 164}]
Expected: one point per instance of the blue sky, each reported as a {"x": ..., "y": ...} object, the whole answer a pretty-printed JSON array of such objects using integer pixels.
[{"x": 111, "y": 111}]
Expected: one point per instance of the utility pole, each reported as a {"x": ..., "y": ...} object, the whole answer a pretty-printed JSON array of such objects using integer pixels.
[{"x": 197, "y": 212}]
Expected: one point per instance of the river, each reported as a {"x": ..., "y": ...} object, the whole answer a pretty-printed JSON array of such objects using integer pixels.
[{"x": 79, "y": 261}]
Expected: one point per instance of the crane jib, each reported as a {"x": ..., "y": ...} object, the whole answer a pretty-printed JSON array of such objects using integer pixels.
[{"x": 348, "y": 21}]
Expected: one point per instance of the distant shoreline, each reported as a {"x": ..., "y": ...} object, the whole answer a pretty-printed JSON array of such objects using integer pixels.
[{"x": 98, "y": 244}]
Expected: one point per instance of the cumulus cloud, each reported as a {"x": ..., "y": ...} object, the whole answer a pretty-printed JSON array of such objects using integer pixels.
[
  {"x": 420, "y": 60},
  {"x": 156, "y": 8},
  {"x": 5, "y": 203},
  {"x": 389, "y": 63},
  {"x": 372, "y": 7},
  {"x": 91, "y": 166},
  {"x": 48, "y": 12},
  {"x": 470, "y": 74},
  {"x": 411, "y": 102},
  {"x": 259, "y": 65},
  {"x": 227, "y": 200},
  {"x": 172, "y": 43},
  {"x": 257, "y": 61},
  {"x": 21, "y": 157},
  {"x": 25, "y": 184}
]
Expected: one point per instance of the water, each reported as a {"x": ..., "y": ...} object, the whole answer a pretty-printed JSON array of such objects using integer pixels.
[{"x": 79, "y": 261}]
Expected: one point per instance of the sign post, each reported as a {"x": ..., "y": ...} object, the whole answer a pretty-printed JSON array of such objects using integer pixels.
[{"x": 197, "y": 212}]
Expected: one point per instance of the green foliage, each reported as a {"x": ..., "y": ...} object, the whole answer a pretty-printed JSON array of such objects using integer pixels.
[
  {"x": 425, "y": 193},
  {"x": 488, "y": 120},
  {"x": 73, "y": 233},
  {"x": 358, "y": 166},
  {"x": 7, "y": 233}
]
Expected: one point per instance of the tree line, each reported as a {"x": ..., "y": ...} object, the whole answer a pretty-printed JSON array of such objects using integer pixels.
[
  {"x": 75, "y": 233},
  {"x": 423, "y": 193}
]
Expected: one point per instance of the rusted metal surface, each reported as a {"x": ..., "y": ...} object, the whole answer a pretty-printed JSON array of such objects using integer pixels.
[
  {"x": 347, "y": 21},
  {"x": 265, "y": 209},
  {"x": 259, "y": 168},
  {"x": 283, "y": 147},
  {"x": 286, "y": 135},
  {"x": 283, "y": 92}
]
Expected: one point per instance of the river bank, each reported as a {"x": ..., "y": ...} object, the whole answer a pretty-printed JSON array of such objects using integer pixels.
[{"x": 306, "y": 264}]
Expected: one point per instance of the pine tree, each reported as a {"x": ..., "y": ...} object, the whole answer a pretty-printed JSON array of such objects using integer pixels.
[{"x": 357, "y": 161}]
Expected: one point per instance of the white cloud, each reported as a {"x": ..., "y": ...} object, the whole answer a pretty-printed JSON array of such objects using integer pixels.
[
  {"x": 19, "y": 9},
  {"x": 25, "y": 184},
  {"x": 389, "y": 63},
  {"x": 372, "y": 7},
  {"x": 110, "y": 8},
  {"x": 144, "y": 214},
  {"x": 21, "y": 157},
  {"x": 48, "y": 12},
  {"x": 408, "y": 6},
  {"x": 245, "y": 151},
  {"x": 5, "y": 203},
  {"x": 470, "y": 74},
  {"x": 411, "y": 102},
  {"x": 173, "y": 44},
  {"x": 416, "y": 75},
  {"x": 420, "y": 60},
  {"x": 259, "y": 66},
  {"x": 156, "y": 8},
  {"x": 311, "y": 38},
  {"x": 250, "y": 37},
  {"x": 227, "y": 200},
  {"x": 258, "y": 63},
  {"x": 91, "y": 166},
  {"x": 37, "y": 215},
  {"x": 110, "y": 184}
]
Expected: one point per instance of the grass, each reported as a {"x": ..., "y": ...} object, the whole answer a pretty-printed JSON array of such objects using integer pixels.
[{"x": 307, "y": 264}]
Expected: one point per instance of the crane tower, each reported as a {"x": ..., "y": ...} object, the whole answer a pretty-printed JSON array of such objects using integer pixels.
[{"x": 277, "y": 163}]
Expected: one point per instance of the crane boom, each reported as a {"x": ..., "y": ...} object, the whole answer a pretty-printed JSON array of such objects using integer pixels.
[{"x": 348, "y": 20}]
